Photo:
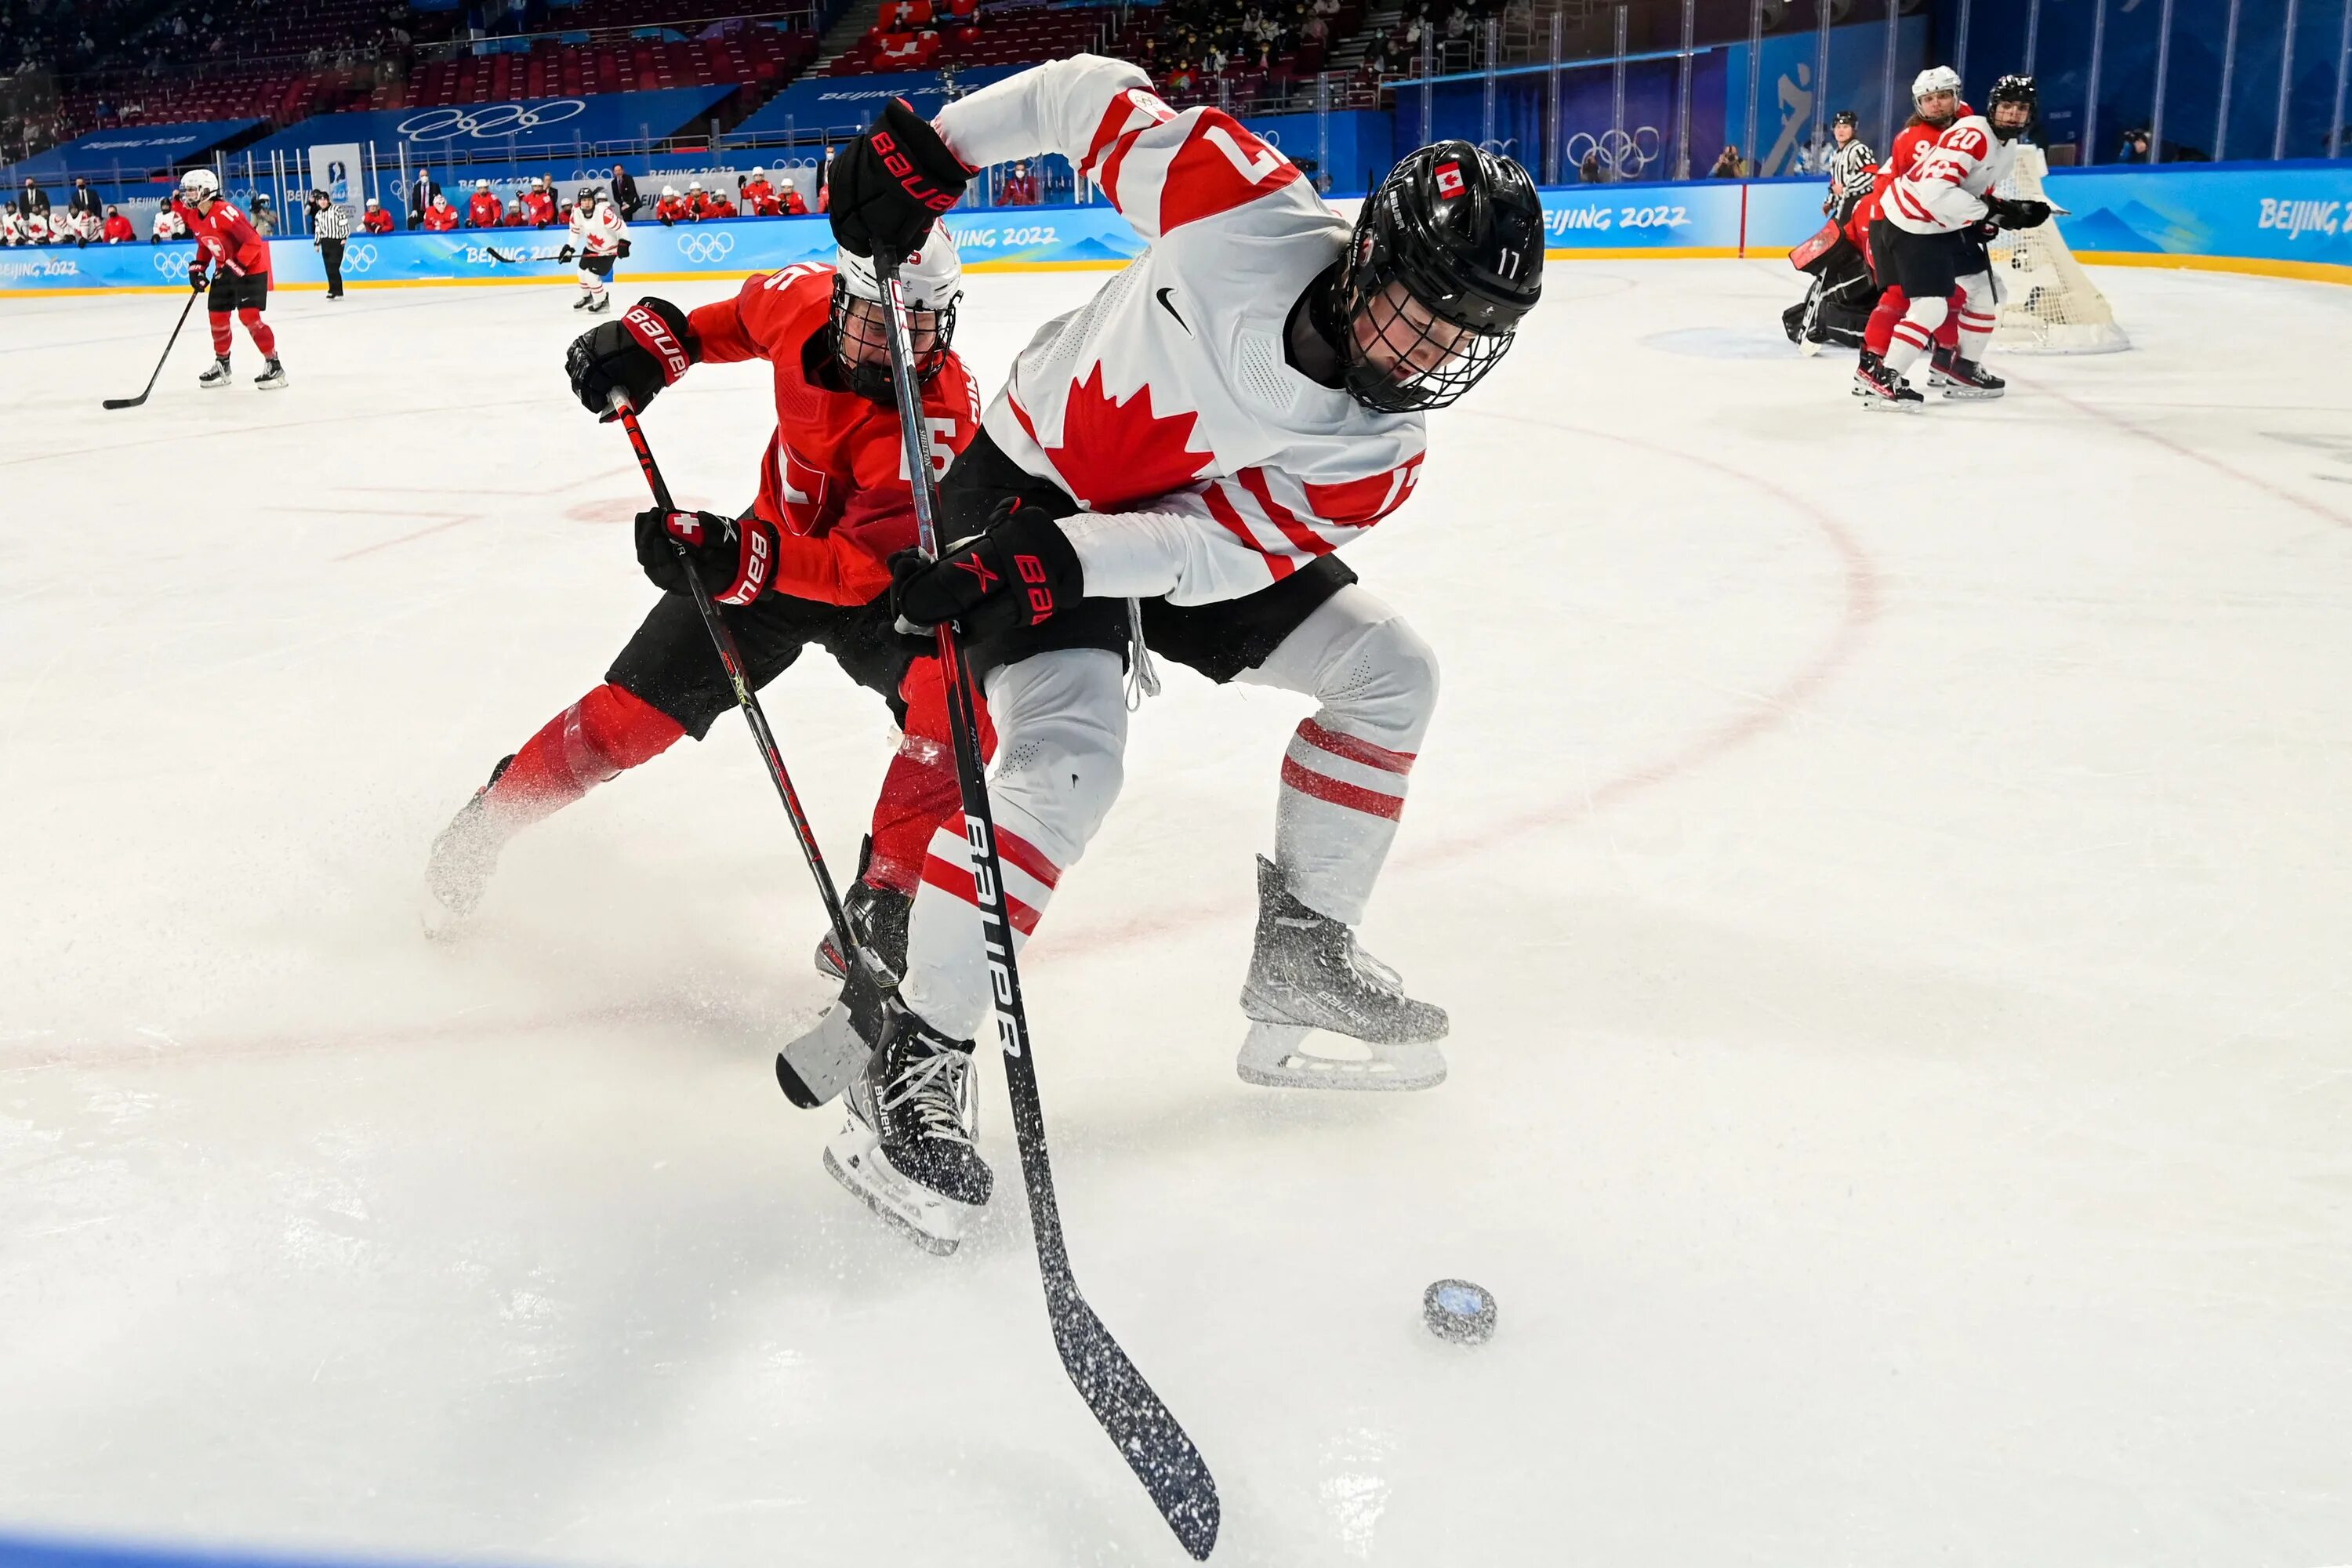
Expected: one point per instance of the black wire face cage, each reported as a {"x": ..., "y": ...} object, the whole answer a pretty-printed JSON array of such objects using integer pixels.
[
  {"x": 870, "y": 377},
  {"x": 1425, "y": 361}
]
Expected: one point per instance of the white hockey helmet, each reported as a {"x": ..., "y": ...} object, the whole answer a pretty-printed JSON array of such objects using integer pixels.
[
  {"x": 198, "y": 186},
  {"x": 931, "y": 283},
  {"x": 694, "y": 184},
  {"x": 934, "y": 281},
  {"x": 1934, "y": 80},
  {"x": 785, "y": 181},
  {"x": 481, "y": 184},
  {"x": 670, "y": 190}
]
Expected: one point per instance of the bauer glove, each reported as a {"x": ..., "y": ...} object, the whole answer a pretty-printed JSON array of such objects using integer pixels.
[
  {"x": 892, "y": 184},
  {"x": 649, "y": 347},
  {"x": 2011, "y": 212},
  {"x": 566, "y": 254},
  {"x": 734, "y": 556},
  {"x": 1016, "y": 575}
]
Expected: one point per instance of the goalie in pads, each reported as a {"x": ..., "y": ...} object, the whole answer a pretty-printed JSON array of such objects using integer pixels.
[{"x": 1929, "y": 240}]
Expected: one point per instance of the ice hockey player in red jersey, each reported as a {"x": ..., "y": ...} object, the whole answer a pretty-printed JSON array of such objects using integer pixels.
[
  {"x": 440, "y": 218},
  {"x": 484, "y": 210},
  {"x": 1181, "y": 456},
  {"x": 1930, "y": 239},
  {"x": 789, "y": 199},
  {"x": 806, "y": 563},
  {"x": 238, "y": 259},
  {"x": 758, "y": 197},
  {"x": 672, "y": 207},
  {"x": 375, "y": 220}
]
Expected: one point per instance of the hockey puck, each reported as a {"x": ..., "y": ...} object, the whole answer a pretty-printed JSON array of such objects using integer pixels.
[{"x": 1458, "y": 1310}]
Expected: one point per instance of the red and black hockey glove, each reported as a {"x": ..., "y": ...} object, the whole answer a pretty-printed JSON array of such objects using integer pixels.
[
  {"x": 1016, "y": 575},
  {"x": 734, "y": 556},
  {"x": 197, "y": 275},
  {"x": 890, "y": 184},
  {"x": 649, "y": 347}
]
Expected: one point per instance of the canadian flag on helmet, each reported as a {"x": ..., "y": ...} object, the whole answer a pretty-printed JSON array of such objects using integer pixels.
[{"x": 1449, "y": 179}]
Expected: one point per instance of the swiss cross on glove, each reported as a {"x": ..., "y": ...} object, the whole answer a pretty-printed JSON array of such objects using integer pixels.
[
  {"x": 734, "y": 556},
  {"x": 1016, "y": 575}
]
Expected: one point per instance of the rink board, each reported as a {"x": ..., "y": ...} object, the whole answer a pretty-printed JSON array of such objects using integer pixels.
[{"x": 2282, "y": 220}]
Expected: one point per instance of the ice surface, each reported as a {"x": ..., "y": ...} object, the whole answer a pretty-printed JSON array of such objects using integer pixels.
[{"x": 1889, "y": 879}]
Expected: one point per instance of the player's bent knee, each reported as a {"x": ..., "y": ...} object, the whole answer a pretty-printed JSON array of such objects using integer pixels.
[
  {"x": 1927, "y": 313},
  {"x": 1385, "y": 686},
  {"x": 1063, "y": 774}
]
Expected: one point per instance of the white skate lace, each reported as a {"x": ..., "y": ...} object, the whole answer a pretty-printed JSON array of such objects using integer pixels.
[
  {"x": 1372, "y": 971},
  {"x": 1143, "y": 675},
  {"x": 935, "y": 1084}
]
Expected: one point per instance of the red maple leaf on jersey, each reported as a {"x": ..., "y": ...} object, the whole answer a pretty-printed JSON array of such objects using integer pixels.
[{"x": 1113, "y": 454}]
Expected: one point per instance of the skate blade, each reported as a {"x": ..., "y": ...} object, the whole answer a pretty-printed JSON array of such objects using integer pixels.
[
  {"x": 1276, "y": 1056},
  {"x": 1972, "y": 394},
  {"x": 1888, "y": 405},
  {"x": 819, "y": 1063},
  {"x": 931, "y": 1222},
  {"x": 278, "y": 385}
]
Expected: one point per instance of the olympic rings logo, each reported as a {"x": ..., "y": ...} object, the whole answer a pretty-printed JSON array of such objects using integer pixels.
[
  {"x": 169, "y": 263},
  {"x": 1623, "y": 154},
  {"x": 705, "y": 248},
  {"x": 359, "y": 257},
  {"x": 489, "y": 123}
]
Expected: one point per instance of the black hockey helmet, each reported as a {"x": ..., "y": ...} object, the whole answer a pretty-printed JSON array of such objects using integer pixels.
[
  {"x": 1461, "y": 233},
  {"x": 2013, "y": 89},
  {"x": 584, "y": 197},
  {"x": 1846, "y": 116}
]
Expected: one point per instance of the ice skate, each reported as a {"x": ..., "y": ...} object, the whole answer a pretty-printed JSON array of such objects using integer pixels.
[
  {"x": 1865, "y": 370},
  {"x": 599, "y": 303},
  {"x": 1881, "y": 388},
  {"x": 877, "y": 923},
  {"x": 217, "y": 377},
  {"x": 582, "y": 303},
  {"x": 1308, "y": 978},
  {"x": 907, "y": 1148},
  {"x": 1965, "y": 378},
  {"x": 457, "y": 871},
  {"x": 272, "y": 377}
]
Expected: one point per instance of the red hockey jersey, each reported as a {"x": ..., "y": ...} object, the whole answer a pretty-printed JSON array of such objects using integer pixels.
[
  {"x": 833, "y": 481},
  {"x": 225, "y": 236}
]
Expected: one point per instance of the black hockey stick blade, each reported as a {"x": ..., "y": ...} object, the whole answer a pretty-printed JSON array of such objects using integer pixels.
[
  {"x": 158, "y": 371},
  {"x": 1149, "y": 1438},
  {"x": 495, "y": 254}
]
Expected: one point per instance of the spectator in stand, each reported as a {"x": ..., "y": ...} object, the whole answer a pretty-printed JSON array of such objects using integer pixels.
[
  {"x": 118, "y": 229},
  {"x": 167, "y": 225},
  {"x": 84, "y": 202},
  {"x": 788, "y": 200},
  {"x": 1727, "y": 165},
  {"x": 440, "y": 218},
  {"x": 625, "y": 194},
  {"x": 330, "y": 225},
  {"x": 264, "y": 218},
  {"x": 2136, "y": 146},
  {"x": 376, "y": 220},
  {"x": 485, "y": 211},
  {"x": 421, "y": 197},
  {"x": 1020, "y": 187},
  {"x": 758, "y": 196},
  {"x": 34, "y": 200},
  {"x": 1589, "y": 172},
  {"x": 672, "y": 207}
]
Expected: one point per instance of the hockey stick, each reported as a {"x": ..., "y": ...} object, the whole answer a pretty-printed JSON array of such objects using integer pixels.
[
  {"x": 732, "y": 658},
  {"x": 135, "y": 402},
  {"x": 1148, "y": 1437}
]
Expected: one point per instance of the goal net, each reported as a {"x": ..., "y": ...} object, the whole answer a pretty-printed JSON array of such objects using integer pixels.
[{"x": 2049, "y": 304}]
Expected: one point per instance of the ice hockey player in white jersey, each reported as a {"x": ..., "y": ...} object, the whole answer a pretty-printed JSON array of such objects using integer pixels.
[
  {"x": 1938, "y": 218},
  {"x": 599, "y": 238},
  {"x": 1180, "y": 455}
]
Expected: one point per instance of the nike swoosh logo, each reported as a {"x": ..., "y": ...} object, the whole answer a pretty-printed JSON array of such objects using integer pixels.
[{"x": 1164, "y": 305}]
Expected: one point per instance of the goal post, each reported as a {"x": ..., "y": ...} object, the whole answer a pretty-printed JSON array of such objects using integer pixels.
[{"x": 2048, "y": 303}]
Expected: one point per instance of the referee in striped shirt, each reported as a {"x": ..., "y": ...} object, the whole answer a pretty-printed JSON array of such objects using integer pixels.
[
  {"x": 1852, "y": 164},
  {"x": 329, "y": 226}
]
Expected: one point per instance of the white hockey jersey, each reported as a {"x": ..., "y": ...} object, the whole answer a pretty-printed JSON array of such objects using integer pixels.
[
  {"x": 599, "y": 234},
  {"x": 1945, "y": 188},
  {"x": 1208, "y": 468},
  {"x": 167, "y": 225}
]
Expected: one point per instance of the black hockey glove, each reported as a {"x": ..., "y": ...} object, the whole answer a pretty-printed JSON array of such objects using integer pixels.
[
  {"x": 566, "y": 254},
  {"x": 2011, "y": 212},
  {"x": 196, "y": 275},
  {"x": 1016, "y": 575},
  {"x": 890, "y": 184},
  {"x": 649, "y": 347},
  {"x": 625, "y": 250},
  {"x": 735, "y": 557}
]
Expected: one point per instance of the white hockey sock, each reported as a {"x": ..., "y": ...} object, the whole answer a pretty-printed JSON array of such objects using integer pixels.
[
  {"x": 1061, "y": 723},
  {"x": 1976, "y": 334},
  {"x": 1909, "y": 342}
]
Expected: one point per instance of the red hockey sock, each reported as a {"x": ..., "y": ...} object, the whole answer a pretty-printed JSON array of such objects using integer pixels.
[
  {"x": 593, "y": 740},
  {"x": 1881, "y": 329},
  {"x": 919, "y": 790},
  {"x": 219, "y": 319},
  {"x": 255, "y": 328}
]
